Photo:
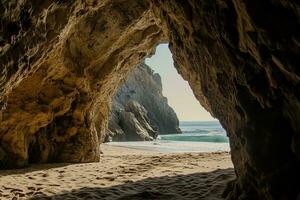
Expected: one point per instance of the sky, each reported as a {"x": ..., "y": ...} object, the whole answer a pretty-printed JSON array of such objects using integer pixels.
[{"x": 179, "y": 94}]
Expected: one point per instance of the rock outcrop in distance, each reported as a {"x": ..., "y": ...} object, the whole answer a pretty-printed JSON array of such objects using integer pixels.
[{"x": 139, "y": 109}]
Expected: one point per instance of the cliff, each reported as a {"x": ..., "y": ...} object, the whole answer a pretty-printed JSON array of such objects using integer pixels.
[{"x": 139, "y": 109}]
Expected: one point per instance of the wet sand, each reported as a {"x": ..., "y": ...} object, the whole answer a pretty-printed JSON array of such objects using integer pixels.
[{"x": 122, "y": 174}]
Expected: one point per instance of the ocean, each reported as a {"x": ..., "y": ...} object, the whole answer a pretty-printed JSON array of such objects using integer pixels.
[
  {"x": 196, "y": 136},
  {"x": 198, "y": 131}
]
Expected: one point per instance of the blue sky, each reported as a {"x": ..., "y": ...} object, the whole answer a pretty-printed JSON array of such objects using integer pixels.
[{"x": 177, "y": 90}]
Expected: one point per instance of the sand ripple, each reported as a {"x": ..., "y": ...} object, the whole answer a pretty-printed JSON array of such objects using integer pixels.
[{"x": 124, "y": 174}]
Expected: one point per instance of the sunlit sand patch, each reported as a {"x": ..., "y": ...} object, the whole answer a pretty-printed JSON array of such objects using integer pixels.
[{"x": 124, "y": 173}]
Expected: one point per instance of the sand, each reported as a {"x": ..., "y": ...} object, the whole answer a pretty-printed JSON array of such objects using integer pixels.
[{"x": 124, "y": 174}]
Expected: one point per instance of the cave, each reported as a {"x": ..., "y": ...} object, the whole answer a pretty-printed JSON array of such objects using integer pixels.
[{"x": 61, "y": 62}]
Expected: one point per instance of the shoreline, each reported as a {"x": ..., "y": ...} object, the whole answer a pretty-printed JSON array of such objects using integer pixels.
[
  {"x": 124, "y": 173},
  {"x": 165, "y": 146}
]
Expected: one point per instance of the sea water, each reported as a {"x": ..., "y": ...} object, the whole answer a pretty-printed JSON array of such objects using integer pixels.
[
  {"x": 196, "y": 136},
  {"x": 198, "y": 131}
]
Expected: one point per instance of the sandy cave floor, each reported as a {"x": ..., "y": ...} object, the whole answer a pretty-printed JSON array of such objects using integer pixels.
[{"x": 123, "y": 174}]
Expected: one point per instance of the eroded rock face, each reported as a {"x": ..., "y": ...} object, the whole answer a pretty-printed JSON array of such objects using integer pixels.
[
  {"x": 136, "y": 124},
  {"x": 241, "y": 59},
  {"x": 144, "y": 87},
  {"x": 59, "y": 70},
  {"x": 61, "y": 61},
  {"x": 130, "y": 124}
]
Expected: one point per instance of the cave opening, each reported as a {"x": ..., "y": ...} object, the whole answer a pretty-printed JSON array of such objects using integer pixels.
[
  {"x": 156, "y": 104},
  {"x": 154, "y": 126}
]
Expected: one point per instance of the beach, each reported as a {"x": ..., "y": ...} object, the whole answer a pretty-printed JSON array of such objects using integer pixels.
[
  {"x": 167, "y": 146},
  {"x": 124, "y": 173}
]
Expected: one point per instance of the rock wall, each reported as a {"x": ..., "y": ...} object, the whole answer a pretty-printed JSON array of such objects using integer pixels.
[
  {"x": 61, "y": 62},
  {"x": 141, "y": 94},
  {"x": 241, "y": 59}
]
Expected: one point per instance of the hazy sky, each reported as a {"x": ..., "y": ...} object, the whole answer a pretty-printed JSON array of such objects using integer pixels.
[{"x": 177, "y": 90}]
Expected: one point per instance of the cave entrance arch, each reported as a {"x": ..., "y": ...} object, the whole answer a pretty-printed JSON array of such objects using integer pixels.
[
  {"x": 58, "y": 77},
  {"x": 154, "y": 102}
]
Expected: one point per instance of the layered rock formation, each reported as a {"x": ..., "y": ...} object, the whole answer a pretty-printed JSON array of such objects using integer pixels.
[
  {"x": 130, "y": 124},
  {"x": 61, "y": 62},
  {"x": 141, "y": 95}
]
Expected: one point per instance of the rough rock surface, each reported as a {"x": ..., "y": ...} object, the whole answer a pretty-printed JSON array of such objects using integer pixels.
[
  {"x": 135, "y": 123},
  {"x": 150, "y": 107},
  {"x": 130, "y": 124},
  {"x": 61, "y": 62},
  {"x": 241, "y": 59}
]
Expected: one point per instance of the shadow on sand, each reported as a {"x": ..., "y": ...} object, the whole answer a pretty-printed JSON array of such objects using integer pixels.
[{"x": 208, "y": 185}]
